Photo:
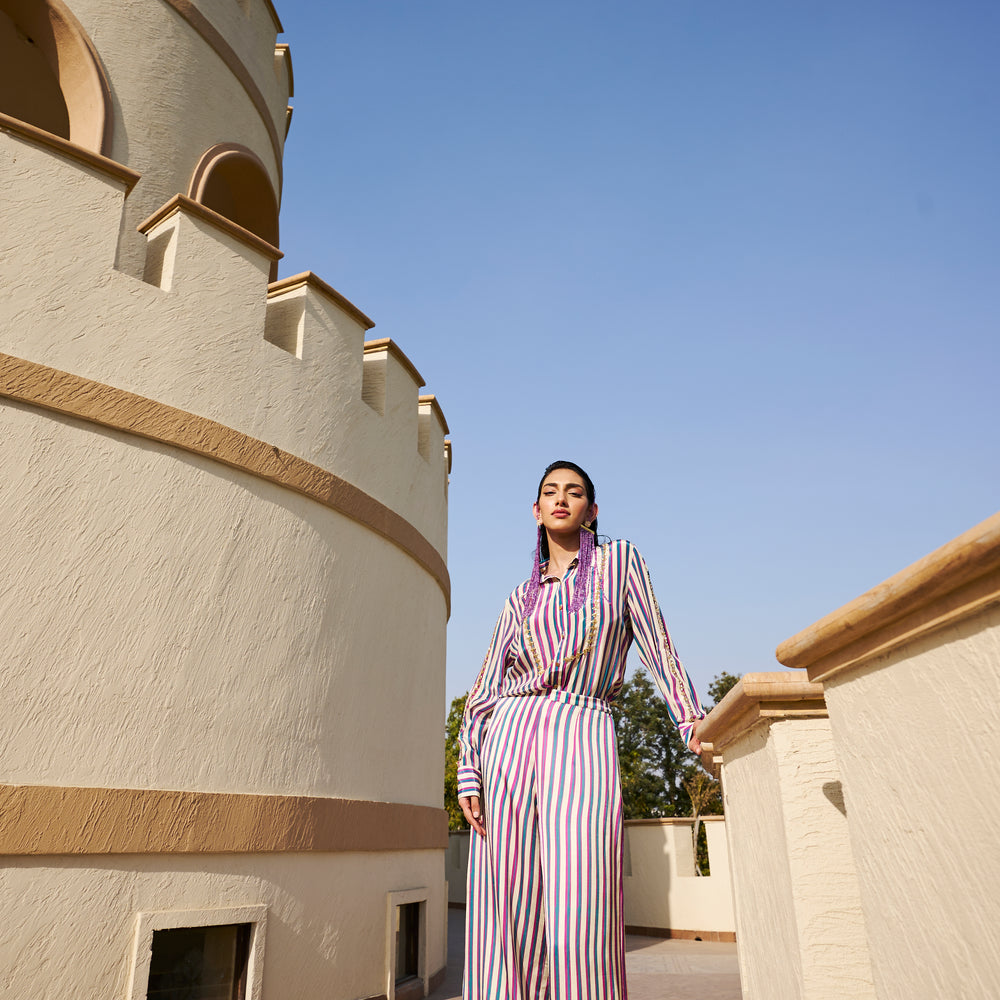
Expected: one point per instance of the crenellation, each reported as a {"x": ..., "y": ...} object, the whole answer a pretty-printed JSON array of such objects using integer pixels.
[
  {"x": 54, "y": 194},
  {"x": 431, "y": 428},
  {"x": 373, "y": 383},
  {"x": 284, "y": 323},
  {"x": 283, "y": 68},
  {"x": 216, "y": 494},
  {"x": 203, "y": 317}
]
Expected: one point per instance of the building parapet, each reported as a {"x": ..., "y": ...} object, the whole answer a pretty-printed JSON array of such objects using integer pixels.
[
  {"x": 71, "y": 150},
  {"x": 956, "y": 580},
  {"x": 798, "y": 908},
  {"x": 201, "y": 333}
]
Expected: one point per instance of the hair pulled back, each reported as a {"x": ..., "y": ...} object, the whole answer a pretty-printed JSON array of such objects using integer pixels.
[
  {"x": 587, "y": 538},
  {"x": 588, "y": 485}
]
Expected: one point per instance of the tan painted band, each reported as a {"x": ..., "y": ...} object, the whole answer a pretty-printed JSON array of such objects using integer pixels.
[
  {"x": 38, "y": 385},
  {"x": 54, "y": 819},
  {"x": 224, "y": 50},
  {"x": 673, "y": 933},
  {"x": 81, "y": 154},
  {"x": 916, "y": 590}
]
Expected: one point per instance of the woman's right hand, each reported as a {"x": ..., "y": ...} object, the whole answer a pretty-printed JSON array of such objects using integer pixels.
[{"x": 472, "y": 813}]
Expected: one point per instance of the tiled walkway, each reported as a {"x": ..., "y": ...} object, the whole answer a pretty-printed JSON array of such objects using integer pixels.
[{"x": 657, "y": 969}]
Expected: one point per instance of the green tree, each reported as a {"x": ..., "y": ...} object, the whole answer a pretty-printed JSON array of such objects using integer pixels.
[
  {"x": 721, "y": 685},
  {"x": 456, "y": 821},
  {"x": 652, "y": 759},
  {"x": 704, "y": 791}
]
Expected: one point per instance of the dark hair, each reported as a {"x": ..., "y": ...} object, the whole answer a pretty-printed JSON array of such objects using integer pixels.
[{"x": 588, "y": 485}]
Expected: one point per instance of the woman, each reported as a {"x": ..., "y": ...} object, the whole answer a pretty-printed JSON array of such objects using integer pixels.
[{"x": 538, "y": 768}]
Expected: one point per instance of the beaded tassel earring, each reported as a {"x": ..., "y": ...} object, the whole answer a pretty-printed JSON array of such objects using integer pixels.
[
  {"x": 531, "y": 596},
  {"x": 584, "y": 560}
]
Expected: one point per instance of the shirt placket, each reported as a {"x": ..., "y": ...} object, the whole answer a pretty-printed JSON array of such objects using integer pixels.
[{"x": 554, "y": 676}]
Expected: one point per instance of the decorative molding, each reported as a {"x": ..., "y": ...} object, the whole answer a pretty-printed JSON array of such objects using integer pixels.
[
  {"x": 71, "y": 150},
  {"x": 74, "y": 396},
  {"x": 431, "y": 400},
  {"x": 58, "y": 820},
  {"x": 214, "y": 39},
  {"x": 673, "y": 933},
  {"x": 755, "y": 698},
  {"x": 386, "y": 344},
  {"x": 182, "y": 203},
  {"x": 284, "y": 51},
  {"x": 669, "y": 821},
  {"x": 274, "y": 17},
  {"x": 314, "y": 281},
  {"x": 956, "y": 580}
]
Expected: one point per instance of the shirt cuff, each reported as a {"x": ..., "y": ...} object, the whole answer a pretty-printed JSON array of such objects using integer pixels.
[
  {"x": 687, "y": 729},
  {"x": 469, "y": 782}
]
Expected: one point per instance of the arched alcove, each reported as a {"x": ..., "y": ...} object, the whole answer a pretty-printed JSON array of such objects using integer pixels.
[
  {"x": 231, "y": 180},
  {"x": 50, "y": 76}
]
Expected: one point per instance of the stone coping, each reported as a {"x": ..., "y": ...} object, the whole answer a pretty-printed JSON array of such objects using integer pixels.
[
  {"x": 311, "y": 280},
  {"x": 71, "y": 150},
  {"x": 673, "y": 820},
  {"x": 954, "y": 581},
  {"x": 390, "y": 346},
  {"x": 182, "y": 203},
  {"x": 431, "y": 401},
  {"x": 778, "y": 695}
]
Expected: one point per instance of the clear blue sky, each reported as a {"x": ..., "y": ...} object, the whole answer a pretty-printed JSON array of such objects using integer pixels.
[{"x": 740, "y": 261}]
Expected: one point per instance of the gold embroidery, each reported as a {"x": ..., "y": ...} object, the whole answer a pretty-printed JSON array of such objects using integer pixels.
[
  {"x": 596, "y": 594},
  {"x": 672, "y": 663}
]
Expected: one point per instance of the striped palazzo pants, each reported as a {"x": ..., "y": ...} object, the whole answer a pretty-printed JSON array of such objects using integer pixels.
[{"x": 544, "y": 905}]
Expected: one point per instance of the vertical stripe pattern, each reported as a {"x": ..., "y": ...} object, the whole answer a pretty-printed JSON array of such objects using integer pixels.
[{"x": 545, "y": 912}]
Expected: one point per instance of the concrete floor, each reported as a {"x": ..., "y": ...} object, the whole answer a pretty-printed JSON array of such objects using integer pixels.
[{"x": 657, "y": 969}]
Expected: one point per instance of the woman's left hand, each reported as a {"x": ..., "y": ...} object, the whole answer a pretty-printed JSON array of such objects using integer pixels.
[{"x": 694, "y": 745}]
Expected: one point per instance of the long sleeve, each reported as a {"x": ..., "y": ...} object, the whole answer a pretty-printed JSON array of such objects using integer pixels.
[
  {"x": 656, "y": 650},
  {"x": 482, "y": 698}
]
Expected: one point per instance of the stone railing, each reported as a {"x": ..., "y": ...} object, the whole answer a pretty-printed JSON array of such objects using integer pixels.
[{"x": 860, "y": 792}]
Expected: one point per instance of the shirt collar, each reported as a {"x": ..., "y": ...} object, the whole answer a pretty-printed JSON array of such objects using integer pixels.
[{"x": 555, "y": 579}]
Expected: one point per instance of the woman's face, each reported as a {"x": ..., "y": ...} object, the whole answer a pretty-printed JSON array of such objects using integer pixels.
[{"x": 562, "y": 506}]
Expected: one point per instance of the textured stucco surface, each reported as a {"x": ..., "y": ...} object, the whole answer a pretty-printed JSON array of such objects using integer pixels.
[
  {"x": 67, "y": 925},
  {"x": 173, "y": 623},
  {"x": 183, "y": 625},
  {"x": 916, "y": 734},
  {"x": 825, "y": 895},
  {"x": 200, "y": 343},
  {"x": 798, "y": 911},
  {"x": 174, "y": 97},
  {"x": 766, "y": 932},
  {"x": 661, "y": 889}
]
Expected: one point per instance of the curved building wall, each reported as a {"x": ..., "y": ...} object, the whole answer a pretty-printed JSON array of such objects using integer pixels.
[
  {"x": 185, "y": 625},
  {"x": 206, "y": 73},
  {"x": 225, "y": 592}
]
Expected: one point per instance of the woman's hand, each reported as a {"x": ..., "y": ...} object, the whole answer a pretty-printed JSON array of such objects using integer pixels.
[
  {"x": 472, "y": 813},
  {"x": 694, "y": 746}
]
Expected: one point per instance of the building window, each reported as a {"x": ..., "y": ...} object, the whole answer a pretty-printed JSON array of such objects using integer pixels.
[
  {"x": 407, "y": 941},
  {"x": 406, "y": 945},
  {"x": 213, "y": 954},
  {"x": 199, "y": 963}
]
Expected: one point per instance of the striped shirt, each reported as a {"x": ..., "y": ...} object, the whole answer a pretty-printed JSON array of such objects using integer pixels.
[{"x": 582, "y": 654}]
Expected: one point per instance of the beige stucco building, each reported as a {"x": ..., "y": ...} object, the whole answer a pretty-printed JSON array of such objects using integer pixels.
[
  {"x": 860, "y": 788},
  {"x": 224, "y": 592}
]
